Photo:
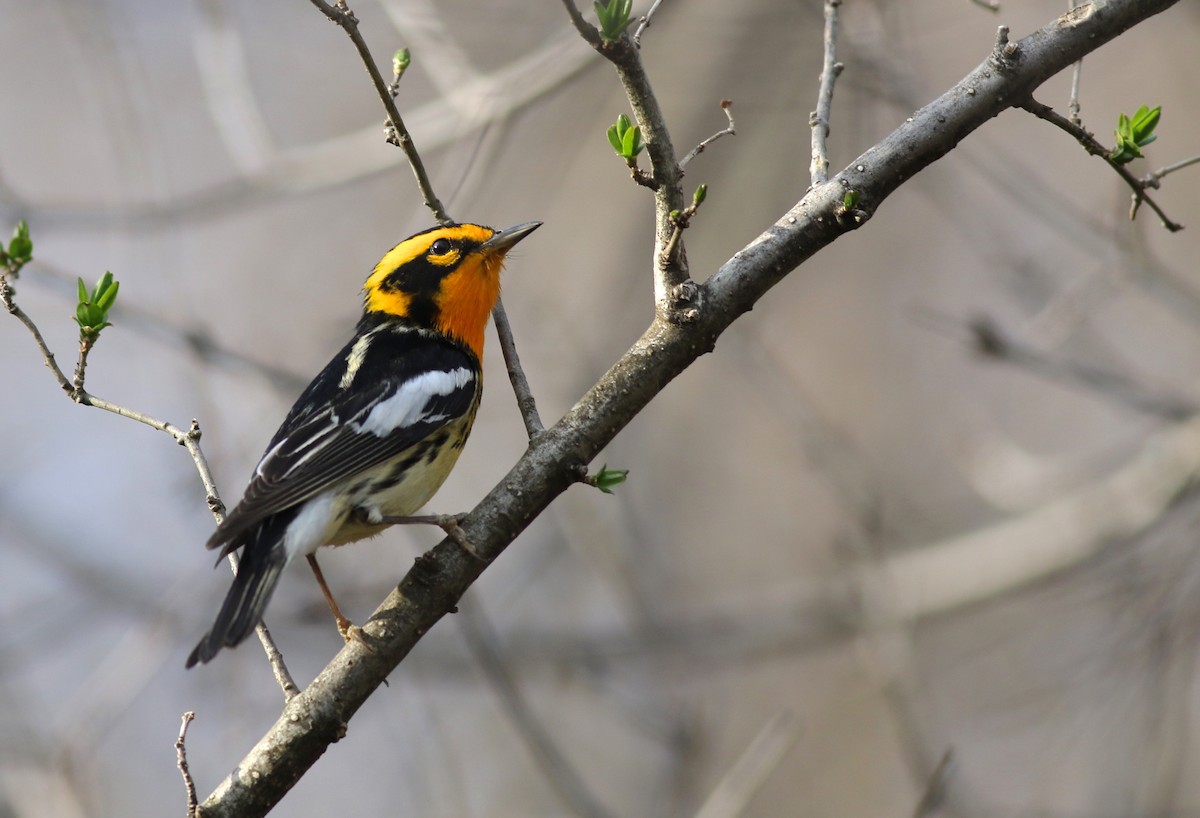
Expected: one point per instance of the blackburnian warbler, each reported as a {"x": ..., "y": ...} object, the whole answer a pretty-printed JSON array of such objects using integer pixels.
[{"x": 378, "y": 430}]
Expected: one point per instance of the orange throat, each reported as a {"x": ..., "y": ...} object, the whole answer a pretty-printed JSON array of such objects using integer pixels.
[{"x": 467, "y": 298}]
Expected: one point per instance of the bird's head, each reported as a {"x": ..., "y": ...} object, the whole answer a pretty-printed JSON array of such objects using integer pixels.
[{"x": 446, "y": 279}]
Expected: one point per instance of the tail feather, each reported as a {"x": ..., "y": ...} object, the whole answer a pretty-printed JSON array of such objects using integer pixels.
[{"x": 257, "y": 575}]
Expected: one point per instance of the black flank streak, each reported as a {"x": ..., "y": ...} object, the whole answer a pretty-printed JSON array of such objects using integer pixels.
[
  {"x": 410, "y": 461},
  {"x": 433, "y": 446}
]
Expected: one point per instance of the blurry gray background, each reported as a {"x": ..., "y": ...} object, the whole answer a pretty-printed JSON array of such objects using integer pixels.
[{"x": 847, "y": 543}]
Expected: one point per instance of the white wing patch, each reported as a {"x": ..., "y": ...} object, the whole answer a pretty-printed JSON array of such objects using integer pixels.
[{"x": 409, "y": 404}]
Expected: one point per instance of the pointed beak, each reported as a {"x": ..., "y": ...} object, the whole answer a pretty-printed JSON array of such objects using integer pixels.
[{"x": 503, "y": 240}]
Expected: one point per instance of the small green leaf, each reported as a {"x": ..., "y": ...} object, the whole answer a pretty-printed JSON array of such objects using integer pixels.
[
  {"x": 619, "y": 134},
  {"x": 850, "y": 199},
  {"x": 614, "y": 139},
  {"x": 20, "y": 249},
  {"x": 700, "y": 194},
  {"x": 631, "y": 144},
  {"x": 1146, "y": 118},
  {"x": 107, "y": 298},
  {"x": 613, "y": 17},
  {"x": 627, "y": 142},
  {"x": 91, "y": 313},
  {"x": 606, "y": 479},
  {"x": 625, "y": 138},
  {"x": 1134, "y": 133}
]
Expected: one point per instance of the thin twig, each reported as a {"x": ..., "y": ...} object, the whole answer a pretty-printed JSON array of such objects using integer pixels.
[
  {"x": 398, "y": 134},
  {"x": 212, "y": 497},
  {"x": 989, "y": 340},
  {"x": 191, "y": 442},
  {"x": 8, "y": 298},
  {"x": 750, "y": 771},
  {"x": 644, "y": 23},
  {"x": 1073, "y": 104},
  {"x": 1153, "y": 179},
  {"x": 666, "y": 174},
  {"x": 682, "y": 296},
  {"x": 935, "y": 788},
  {"x": 193, "y": 804},
  {"x": 819, "y": 119},
  {"x": 585, "y": 29},
  {"x": 726, "y": 106},
  {"x": 279, "y": 669},
  {"x": 525, "y": 402},
  {"x": 189, "y": 438},
  {"x": 482, "y": 641},
  {"x": 990, "y": 5},
  {"x": 1092, "y": 146},
  {"x": 672, "y": 245},
  {"x": 86, "y": 342}
]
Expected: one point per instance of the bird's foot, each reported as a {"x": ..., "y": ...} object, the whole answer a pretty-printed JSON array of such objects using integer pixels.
[{"x": 449, "y": 523}]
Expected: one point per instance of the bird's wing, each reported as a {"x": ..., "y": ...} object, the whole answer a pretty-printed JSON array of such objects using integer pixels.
[{"x": 373, "y": 401}]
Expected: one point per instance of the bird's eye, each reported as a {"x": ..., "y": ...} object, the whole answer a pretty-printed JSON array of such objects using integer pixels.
[{"x": 441, "y": 247}]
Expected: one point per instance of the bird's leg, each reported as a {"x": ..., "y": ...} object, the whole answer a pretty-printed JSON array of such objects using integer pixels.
[
  {"x": 345, "y": 627},
  {"x": 448, "y": 523}
]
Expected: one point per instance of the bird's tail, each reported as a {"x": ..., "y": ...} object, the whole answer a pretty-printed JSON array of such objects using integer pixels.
[{"x": 257, "y": 575}]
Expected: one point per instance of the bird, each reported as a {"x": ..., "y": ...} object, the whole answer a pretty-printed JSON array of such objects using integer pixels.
[{"x": 380, "y": 427}]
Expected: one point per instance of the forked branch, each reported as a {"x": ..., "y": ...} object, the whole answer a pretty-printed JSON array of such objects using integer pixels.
[{"x": 1093, "y": 146}]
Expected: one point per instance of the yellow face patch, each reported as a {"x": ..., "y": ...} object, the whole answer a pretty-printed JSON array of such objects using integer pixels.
[
  {"x": 441, "y": 279},
  {"x": 389, "y": 301}
]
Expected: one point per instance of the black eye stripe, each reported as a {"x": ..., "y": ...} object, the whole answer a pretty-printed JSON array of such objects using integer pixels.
[{"x": 441, "y": 247}]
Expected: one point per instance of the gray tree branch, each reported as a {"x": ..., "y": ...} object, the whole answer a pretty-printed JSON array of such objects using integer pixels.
[{"x": 320, "y": 715}]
